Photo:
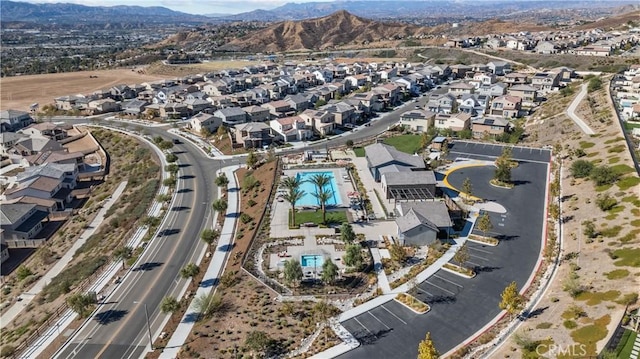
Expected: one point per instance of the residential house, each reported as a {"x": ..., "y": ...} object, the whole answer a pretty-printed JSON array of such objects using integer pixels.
[
  {"x": 323, "y": 122},
  {"x": 204, "y": 120},
  {"x": 13, "y": 120},
  {"x": 546, "y": 47},
  {"x": 104, "y": 105},
  {"x": 231, "y": 116},
  {"x": 528, "y": 94},
  {"x": 28, "y": 146},
  {"x": 417, "y": 120},
  {"x": 545, "y": 81},
  {"x": 389, "y": 94},
  {"x": 471, "y": 104},
  {"x": 494, "y": 43},
  {"x": 383, "y": 158},
  {"x": 292, "y": 128},
  {"x": 460, "y": 71},
  {"x": 8, "y": 140},
  {"x": 506, "y": 106},
  {"x": 67, "y": 103},
  {"x": 460, "y": 88},
  {"x": 499, "y": 68},
  {"x": 357, "y": 81},
  {"x": 370, "y": 101},
  {"x": 58, "y": 157},
  {"x": 455, "y": 122},
  {"x": 122, "y": 92},
  {"x": 343, "y": 112},
  {"x": 21, "y": 221},
  {"x": 279, "y": 109},
  {"x": 493, "y": 90},
  {"x": 444, "y": 103},
  {"x": 47, "y": 129},
  {"x": 171, "y": 110},
  {"x": 297, "y": 102},
  {"x": 388, "y": 73},
  {"x": 256, "y": 113},
  {"x": 483, "y": 78},
  {"x": 516, "y": 78},
  {"x": 594, "y": 50},
  {"x": 253, "y": 135},
  {"x": 420, "y": 223},
  {"x": 565, "y": 74},
  {"x": 489, "y": 126},
  {"x": 323, "y": 75},
  {"x": 479, "y": 68},
  {"x": 408, "y": 85},
  {"x": 134, "y": 107}
]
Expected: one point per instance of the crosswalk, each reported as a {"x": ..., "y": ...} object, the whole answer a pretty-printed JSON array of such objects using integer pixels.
[{"x": 636, "y": 348}]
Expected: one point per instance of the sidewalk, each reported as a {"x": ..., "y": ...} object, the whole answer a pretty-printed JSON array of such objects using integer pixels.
[
  {"x": 383, "y": 282},
  {"x": 571, "y": 111},
  {"x": 27, "y": 297},
  {"x": 213, "y": 273}
]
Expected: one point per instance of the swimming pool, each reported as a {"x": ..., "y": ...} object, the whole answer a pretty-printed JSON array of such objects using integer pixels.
[
  {"x": 311, "y": 260},
  {"x": 310, "y": 189}
]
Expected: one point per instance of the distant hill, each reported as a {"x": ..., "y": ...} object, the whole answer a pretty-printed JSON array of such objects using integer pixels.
[
  {"x": 336, "y": 29},
  {"x": 65, "y": 13},
  {"x": 385, "y": 9},
  {"x": 614, "y": 22}
]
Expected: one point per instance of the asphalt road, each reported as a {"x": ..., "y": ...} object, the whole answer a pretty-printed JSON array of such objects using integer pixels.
[
  {"x": 459, "y": 306},
  {"x": 119, "y": 328}
]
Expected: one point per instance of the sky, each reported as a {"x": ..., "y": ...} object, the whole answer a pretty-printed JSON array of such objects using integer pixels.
[{"x": 199, "y": 7}]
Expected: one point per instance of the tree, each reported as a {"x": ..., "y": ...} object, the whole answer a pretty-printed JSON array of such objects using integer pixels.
[
  {"x": 606, "y": 202},
  {"x": 221, "y": 131},
  {"x": 172, "y": 168},
  {"x": 347, "y": 235},
  {"x": 595, "y": 84},
  {"x": 222, "y": 181},
  {"x": 322, "y": 312},
  {"x": 23, "y": 272},
  {"x": 169, "y": 305},
  {"x": 258, "y": 341},
  {"x": 204, "y": 132},
  {"x": 165, "y": 145},
  {"x": 293, "y": 195},
  {"x": 581, "y": 168},
  {"x": 426, "y": 349},
  {"x": 398, "y": 254},
  {"x": 329, "y": 271},
  {"x": 207, "y": 304},
  {"x": 123, "y": 253},
  {"x": 323, "y": 198},
  {"x": 190, "y": 270},
  {"x": 461, "y": 256},
  {"x": 171, "y": 157},
  {"x": 465, "y": 134},
  {"x": 252, "y": 160},
  {"x": 484, "y": 224},
  {"x": 209, "y": 236},
  {"x": 503, "y": 166},
  {"x": 467, "y": 188},
  {"x": 603, "y": 175},
  {"x": 511, "y": 301},
  {"x": 353, "y": 256},
  {"x": 589, "y": 229},
  {"x": 220, "y": 205},
  {"x": 349, "y": 143},
  {"x": 169, "y": 182},
  {"x": 425, "y": 139},
  {"x": 81, "y": 303},
  {"x": 321, "y": 102},
  {"x": 292, "y": 271}
]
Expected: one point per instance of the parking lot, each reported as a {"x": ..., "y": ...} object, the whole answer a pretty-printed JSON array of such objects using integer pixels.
[
  {"x": 460, "y": 306},
  {"x": 489, "y": 151}
]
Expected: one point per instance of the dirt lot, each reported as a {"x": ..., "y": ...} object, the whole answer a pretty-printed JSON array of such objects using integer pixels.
[{"x": 20, "y": 92}]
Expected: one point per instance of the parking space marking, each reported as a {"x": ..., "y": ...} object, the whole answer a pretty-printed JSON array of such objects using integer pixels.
[
  {"x": 493, "y": 157},
  {"x": 475, "y": 256},
  {"x": 475, "y": 264},
  {"x": 478, "y": 249},
  {"x": 425, "y": 291},
  {"x": 446, "y": 280},
  {"x": 365, "y": 328},
  {"x": 446, "y": 290},
  {"x": 392, "y": 313},
  {"x": 376, "y": 318}
]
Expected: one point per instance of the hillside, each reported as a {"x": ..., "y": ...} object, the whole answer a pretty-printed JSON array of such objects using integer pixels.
[
  {"x": 337, "y": 29},
  {"x": 614, "y": 22}
]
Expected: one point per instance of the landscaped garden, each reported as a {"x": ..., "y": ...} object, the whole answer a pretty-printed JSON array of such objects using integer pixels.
[
  {"x": 406, "y": 143},
  {"x": 315, "y": 216},
  {"x": 412, "y": 302}
]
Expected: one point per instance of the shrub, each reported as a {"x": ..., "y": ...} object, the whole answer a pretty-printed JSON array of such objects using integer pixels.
[
  {"x": 251, "y": 203},
  {"x": 581, "y": 168},
  {"x": 23, "y": 272},
  {"x": 245, "y": 218},
  {"x": 7, "y": 351},
  {"x": 603, "y": 175},
  {"x": 606, "y": 202}
]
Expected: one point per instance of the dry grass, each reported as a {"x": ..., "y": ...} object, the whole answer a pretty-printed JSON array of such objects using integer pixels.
[
  {"x": 165, "y": 71},
  {"x": 20, "y": 92}
]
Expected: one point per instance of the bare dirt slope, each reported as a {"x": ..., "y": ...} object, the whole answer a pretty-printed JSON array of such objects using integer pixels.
[
  {"x": 339, "y": 28},
  {"x": 20, "y": 92}
]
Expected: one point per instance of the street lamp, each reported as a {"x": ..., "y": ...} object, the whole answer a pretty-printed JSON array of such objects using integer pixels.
[{"x": 146, "y": 313}]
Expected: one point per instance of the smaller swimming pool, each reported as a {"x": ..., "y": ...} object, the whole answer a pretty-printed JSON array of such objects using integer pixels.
[{"x": 311, "y": 260}]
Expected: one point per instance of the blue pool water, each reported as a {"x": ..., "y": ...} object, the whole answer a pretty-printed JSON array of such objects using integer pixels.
[
  {"x": 310, "y": 189},
  {"x": 309, "y": 260}
]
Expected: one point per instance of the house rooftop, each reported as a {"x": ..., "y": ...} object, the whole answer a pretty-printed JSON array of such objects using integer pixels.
[
  {"x": 379, "y": 154},
  {"x": 410, "y": 178},
  {"x": 10, "y": 213},
  {"x": 435, "y": 212}
]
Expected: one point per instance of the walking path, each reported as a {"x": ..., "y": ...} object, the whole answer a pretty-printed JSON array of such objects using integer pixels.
[
  {"x": 383, "y": 282},
  {"x": 571, "y": 111},
  {"x": 27, "y": 297},
  {"x": 216, "y": 267}
]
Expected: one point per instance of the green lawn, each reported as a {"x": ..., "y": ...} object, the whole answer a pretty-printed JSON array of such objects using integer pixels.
[
  {"x": 626, "y": 344},
  {"x": 333, "y": 217},
  {"x": 627, "y": 182},
  {"x": 405, "y": 143},
  {"x": 629, "y": 257},
  {"x": 631, "y": 125},
  {"x": 359, "y": 151}
]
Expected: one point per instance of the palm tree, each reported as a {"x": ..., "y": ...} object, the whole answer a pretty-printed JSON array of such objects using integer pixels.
[
  {"x": 123, "y": 253},
  {"x": 323, "y": 197},
  {"x": 293, "y": 195}
]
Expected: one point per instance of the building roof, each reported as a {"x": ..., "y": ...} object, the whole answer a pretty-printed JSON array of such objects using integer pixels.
[
  {"x": 51, "y": 170},
  {"x": 411, "y": 178},
  {"x": 379, "y": 154},
  {"x": 9, "y": 114},
  {"x": 231, "y": 111},
  {"x": 491, "y": 121},
  {"x": 10, "y": 213},
  {"x": 435, "y": 212},
  {"x": 252, "y": 126},
  {"x": 38, "y": 144},
  {"x": 411, "y": 220},
  {"x": 6, "y": 137}
]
